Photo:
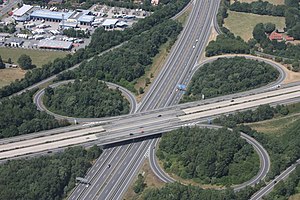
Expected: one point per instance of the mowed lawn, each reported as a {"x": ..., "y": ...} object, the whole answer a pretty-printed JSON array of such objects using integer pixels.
[
  {"x": 275, "y": 2},
  {"x": 38, "y": 57},
  {"x": 242, "y": 24}
]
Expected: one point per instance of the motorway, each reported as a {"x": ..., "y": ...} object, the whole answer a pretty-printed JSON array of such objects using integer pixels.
[
  {"x": 38, "y": 101},
  {"x": 162, "y": 93},
  {"x": 182, "y": 58},
  {"x": 262, "y": 153}
]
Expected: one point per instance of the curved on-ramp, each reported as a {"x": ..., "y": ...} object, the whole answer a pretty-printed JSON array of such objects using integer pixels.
[
  {"x": 37, "y": 99},
  {"x": 262, "y": 153}
]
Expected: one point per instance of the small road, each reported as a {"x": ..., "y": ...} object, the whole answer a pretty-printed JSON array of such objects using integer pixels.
[
  {"x": 37, "y": 99},
  {"x": 262, "y": 153}
]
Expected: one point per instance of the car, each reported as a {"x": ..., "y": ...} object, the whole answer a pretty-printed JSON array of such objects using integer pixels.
[
  {"x": 108, "y": 166},
  {"x": 130, "y": 133},
  {"x": 197, "y": 40},
  {"x": 158, "y": 115},
  {"x": 193, "y": 47},
  {"x": 232, "y": 100}
]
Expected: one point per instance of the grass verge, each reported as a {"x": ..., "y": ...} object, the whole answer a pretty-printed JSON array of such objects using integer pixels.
[
  {"x": 242, "y": 24},
  {"x": 150, "y": 179},
  {"x": 159, "y": 60}
]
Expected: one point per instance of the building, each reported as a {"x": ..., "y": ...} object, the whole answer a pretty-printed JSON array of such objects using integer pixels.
[
  {"x": 289, "y": 38},
  {"x": 121, "y": 24},
  {"x": 110, "y": 23},
  {"x": 22, "y": 14},
  {"x": 51, "y": 16},
  {"x": 155, "y": 2},
  {"x": 53, "y": 2},
  {"x": 16, "y": 42},
  {"x": 275, "y": 36},
  {"x": 280, "y": 30},
  {"x": 55, "y": 44}
]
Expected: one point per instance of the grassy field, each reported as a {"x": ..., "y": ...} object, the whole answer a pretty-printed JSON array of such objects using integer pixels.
[
  {"x": 275, "y": 2},
  {"x": 242, "y": 24},
  {"x": 9, "y": 75},
  {"x": 275, "y": 126},
  {"x": 38, "y": 57}
]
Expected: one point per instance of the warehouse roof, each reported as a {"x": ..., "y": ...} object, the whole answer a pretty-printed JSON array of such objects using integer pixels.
[
  {"x": 24, "y": 9},
  {"x": 109, "y": 22},
  {"x": 55, "y": 44},
  {"x": 50, "y": 14},
  {"x": 86, "y": 18}
]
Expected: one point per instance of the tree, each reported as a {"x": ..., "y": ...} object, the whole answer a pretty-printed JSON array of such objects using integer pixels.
[
  {"x": 295, "y": 31},
  {"x": 259, "y": 32},
  {"x": 2, "y": 65},
  {"x": 292, "y": 3},
  {"x": 141, "y": 90},
  {"x": 25, "y": 62},
  {"x": 269, "y": 27}
]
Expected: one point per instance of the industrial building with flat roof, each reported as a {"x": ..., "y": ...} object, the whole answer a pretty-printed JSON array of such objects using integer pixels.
[
  {"x": 48, "y": 15},
  {"x": 21, "y": 14},
  {"x": 55, "y": 44},
  {"x": 110, "y": 23}
]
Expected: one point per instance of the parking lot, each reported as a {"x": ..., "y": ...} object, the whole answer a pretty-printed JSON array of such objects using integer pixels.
[{"x": 31, "y": 32}]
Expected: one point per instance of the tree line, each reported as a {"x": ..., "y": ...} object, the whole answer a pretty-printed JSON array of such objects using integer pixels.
[
  {"x": 177, "y": 191},
  {"x": 191, "y": 154},
  {"x": 228, "y": 76},
  {"x": 86, "y": 98},
  {"x": 19, "y": 115},
  {"x": 258, "y": 7},
  {"x": 101, "y": 41},
  {"x": 263, "y": 112},
  {"x": 47, "y": 177},
  {"x": 129, "y": 62},
  {"x": 227, "y": 43}
]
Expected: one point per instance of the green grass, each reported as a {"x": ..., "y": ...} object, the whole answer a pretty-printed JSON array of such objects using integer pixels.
[
  {"x": 242, "y": 24},
  {"x": 183, "y": 18},
  {"x": 38, "y": 57},
  {"x": 275, "y": 126},
  {"x": 278, "y": 125}
]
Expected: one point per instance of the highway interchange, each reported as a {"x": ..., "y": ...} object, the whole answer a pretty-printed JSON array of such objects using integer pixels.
[{"x": 152, "y": 115}]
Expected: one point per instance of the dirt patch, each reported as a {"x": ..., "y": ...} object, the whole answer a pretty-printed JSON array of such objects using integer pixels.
[
  {"x": 150, "y": 179},
  {"x": 295, "y": 197},
  {"x": 291, "y": 76},
  {"x": 8, "y": 76}
]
